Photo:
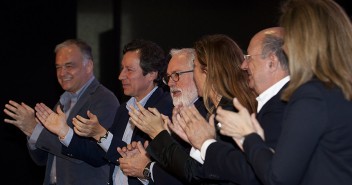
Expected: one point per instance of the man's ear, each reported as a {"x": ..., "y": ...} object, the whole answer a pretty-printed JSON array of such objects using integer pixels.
[
  {"x": 274, "y": 62},
  {"x": 89, "y": 66},
  {"x": 153, "y": 75}
]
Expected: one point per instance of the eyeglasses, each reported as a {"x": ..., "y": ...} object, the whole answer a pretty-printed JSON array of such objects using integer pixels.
[
  {"x": 247, "y": 57},
  {"x": 175, "y": 76}
]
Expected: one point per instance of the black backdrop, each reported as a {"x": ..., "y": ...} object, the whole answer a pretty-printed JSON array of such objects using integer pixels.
[{"x": 31, "y": 29}]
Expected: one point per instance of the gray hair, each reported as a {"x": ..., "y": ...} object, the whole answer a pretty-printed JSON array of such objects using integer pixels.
[
  {"x": 272, "y": 43},
  {"x": 83, "y": 46},
  {"x": 189, "y": 53}
]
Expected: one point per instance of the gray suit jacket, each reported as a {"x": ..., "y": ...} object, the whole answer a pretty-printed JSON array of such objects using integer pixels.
[{"x": 69, "y": 171}]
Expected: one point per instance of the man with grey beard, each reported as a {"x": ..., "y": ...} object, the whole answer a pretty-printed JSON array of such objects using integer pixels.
[{"x": 183, "y": 91}]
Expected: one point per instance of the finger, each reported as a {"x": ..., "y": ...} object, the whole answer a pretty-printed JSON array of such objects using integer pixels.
[
  {"x": 142, "y": 109},
  {"x": 146, "y": 143},
  {"x": 27, "y": 107},
  {"x": 257, "y": 126},
  {"x": 176, "y": 110},
  {"x": 81, "y": 119},
  {"x": 10, "y": 113},
  {"x": 133, "y": 144},
  {"x": 141, "y": 148},
  {"x": 180, "y": 122},
  {"x": 221, "y": 114},
  {"x": 14, "y": 104},
  {"x": 91, "y": 115},
  {"x": 238, "y": 105},
  {"x": 129, "y": 147},
  {"x": 154, "y": 111},
  {"x": 135, "y": 114},
  {"x": 119, "y": 150},
  {"x": 59, "y": 110},
  {"x": 184, "y": 114},
  {"x": 195, "y": 113}
]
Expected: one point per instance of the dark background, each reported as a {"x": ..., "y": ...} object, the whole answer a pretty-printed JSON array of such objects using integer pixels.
[{"x": 31, "y": 29}]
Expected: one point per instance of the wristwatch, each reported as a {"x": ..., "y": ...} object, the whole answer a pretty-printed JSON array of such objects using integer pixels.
[
  {"x": 147, "y": 172},
  {"x": 104, "y": 137}
]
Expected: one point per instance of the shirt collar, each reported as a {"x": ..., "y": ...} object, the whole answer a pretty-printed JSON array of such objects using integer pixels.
[
  {"x": 133, "y": 101},
  {"x": 270, "y": 92},
  {"x": 67, "y": 96}
]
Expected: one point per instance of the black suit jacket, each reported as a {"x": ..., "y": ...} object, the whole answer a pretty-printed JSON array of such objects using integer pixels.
[
  {"x": 217, "y": 161},
  {"x": 160, "y": 175},
  {"x": 94, "y": 155},
  {"x": 178, "y": 162}
]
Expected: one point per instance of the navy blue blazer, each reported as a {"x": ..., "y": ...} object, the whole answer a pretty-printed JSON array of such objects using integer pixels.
[
  {"x": 315, "y": 143},
  {"x": 100, "y": 101},
  {"x": 94, "y": 155},
  {"x": 217, "y": 162}
]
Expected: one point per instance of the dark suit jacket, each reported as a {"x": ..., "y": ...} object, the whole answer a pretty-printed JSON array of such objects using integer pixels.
[
  {"x": 178, "y": 162},
  {"x": 217, "y": 162},
  {"x": 160, "y": 176},
  {"x": 100, "y": 101},
  {"x": 315, "y": 143},
  {"x": 94, "y": 155}
]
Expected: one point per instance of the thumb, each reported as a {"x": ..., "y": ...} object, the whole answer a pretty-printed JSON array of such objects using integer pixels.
[
  {"x": 238, "y": 105},
  {"x": 58, "y": 110},
  {"x": 146, "y": 143},
  {"x": 90, "y": 114}
]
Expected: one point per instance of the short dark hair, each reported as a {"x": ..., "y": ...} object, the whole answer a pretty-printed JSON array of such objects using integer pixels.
[{"x": 152, "y": 57}]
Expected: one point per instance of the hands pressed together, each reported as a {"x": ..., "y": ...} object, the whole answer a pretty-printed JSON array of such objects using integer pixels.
[{"x": 133, "y": 159}]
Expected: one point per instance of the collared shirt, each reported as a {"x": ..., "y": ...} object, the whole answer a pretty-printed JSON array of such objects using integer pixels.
[
  {"x": 118, "y": 177},
  {"x": 68, "y": 100},
  {"x": 270, "y": 92},
  {"x": 39, "y": 127}
]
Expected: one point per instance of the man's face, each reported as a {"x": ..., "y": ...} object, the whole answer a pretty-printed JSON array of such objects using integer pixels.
[
  {"x": 133, "y": 81},
  {"x": 256, "y": 67},
  {"x": 71, "y": 70},
  {"x": 183, "y": 91}
]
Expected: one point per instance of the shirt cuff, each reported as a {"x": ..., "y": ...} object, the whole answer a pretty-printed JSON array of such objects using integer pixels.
[
  {"x": 195, "y": 154},
  {"x": 105, "y": 143},
  {"x": 205, "y": 146},
  {"x": 67, "y": 139},
  {"x": 151, "y": 170},
  {"x": 35, "y": 135}
]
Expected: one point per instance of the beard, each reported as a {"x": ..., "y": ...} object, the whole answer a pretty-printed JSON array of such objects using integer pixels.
[{"x": 188, "y": 96}]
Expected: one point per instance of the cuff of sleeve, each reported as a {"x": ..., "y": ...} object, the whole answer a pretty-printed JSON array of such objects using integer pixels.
[
  {"x": 151, "y": 171},
  {"x": 67, "y": 139},
  {"x": 205, "y": 146},
  {"x": 105, "y": 144},
  {"x": 35, "y": 135},
  {"x": 195, "y": 154}
]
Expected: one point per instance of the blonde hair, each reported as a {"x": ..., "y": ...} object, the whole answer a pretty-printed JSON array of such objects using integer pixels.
[
  {"x": 318, "y": 40},
  {"x": 221, "y": 57}
]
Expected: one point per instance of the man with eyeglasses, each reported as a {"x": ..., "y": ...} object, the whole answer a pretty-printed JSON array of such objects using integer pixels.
[{"x": 183, "y": 91}]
